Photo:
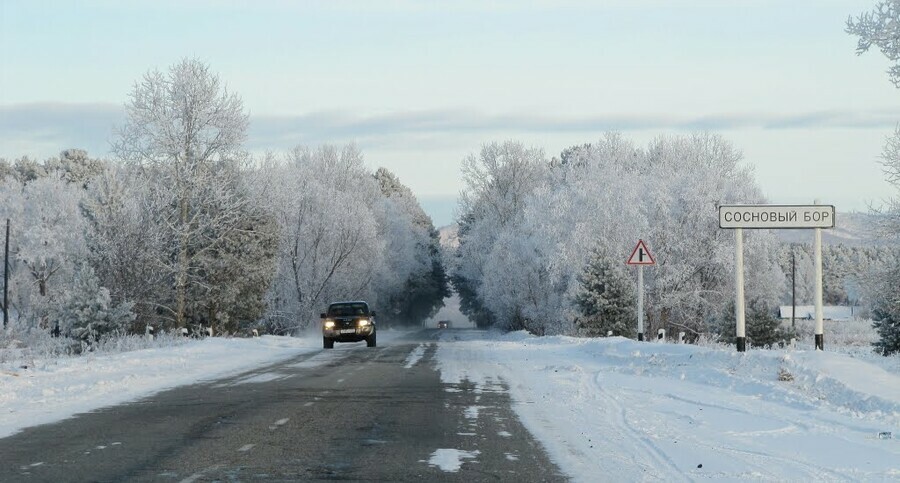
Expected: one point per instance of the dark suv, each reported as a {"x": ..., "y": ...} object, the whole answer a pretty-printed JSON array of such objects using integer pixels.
[{"x": 348, "y": 322}]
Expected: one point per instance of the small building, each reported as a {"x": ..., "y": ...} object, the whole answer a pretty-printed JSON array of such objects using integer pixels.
[{"x": 829, "y": 312}]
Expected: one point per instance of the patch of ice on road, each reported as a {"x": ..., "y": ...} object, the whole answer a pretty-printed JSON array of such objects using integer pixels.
[
  {"x": 472, "y": 411},
  {"x": 505, "y": 434},
  {"x": 414, "y": 356},
  {"x": 280, "y": 422},
  {"x": 259, "y": 378},
  {"x": 512, "y": 457},
  {"x": 246, "y": 447},
  {"x": 451, "y": 460}
]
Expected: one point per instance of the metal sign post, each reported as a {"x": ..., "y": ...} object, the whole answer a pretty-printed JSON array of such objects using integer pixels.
[
  {"x": 738, "y": 217},
  {"x": 640, "y": 307},
  {"x": 740, "y": 329},
  {"x": 820, "y": 324},
  {"x": 640, "y": 256}
]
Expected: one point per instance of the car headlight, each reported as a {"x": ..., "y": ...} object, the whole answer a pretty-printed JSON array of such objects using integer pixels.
[
  {"x": 364, "y": 322},
  {"x": 329, "y": 324}
]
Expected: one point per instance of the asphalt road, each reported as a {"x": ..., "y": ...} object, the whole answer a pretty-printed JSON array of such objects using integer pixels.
[{"x": 352, "y": 413}]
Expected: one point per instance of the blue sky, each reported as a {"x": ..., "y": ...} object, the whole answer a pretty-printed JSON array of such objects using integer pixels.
[{"x": 418, "y": 85}]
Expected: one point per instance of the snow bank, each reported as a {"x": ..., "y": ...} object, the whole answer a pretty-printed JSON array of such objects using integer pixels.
[
  {"x": 52, "y": 390},
  {"x": 639, "y": 411}
]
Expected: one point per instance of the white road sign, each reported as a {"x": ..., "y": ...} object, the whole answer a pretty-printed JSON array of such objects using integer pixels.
[
  {"x": 776, "y": 216},
  {"x": 641, "y": 255}
]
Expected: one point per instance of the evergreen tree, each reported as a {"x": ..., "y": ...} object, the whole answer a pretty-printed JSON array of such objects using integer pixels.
[
  {"x": 606, "y": 299},
  {"x": 86, "y": 311},
  {"x": 238, "y": 270},
  {"x": 886, "y": 313},
  {"x": 761, "y": 327}
]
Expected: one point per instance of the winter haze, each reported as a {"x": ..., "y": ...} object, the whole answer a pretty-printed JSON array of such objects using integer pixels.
[
  {"x": 388, "y": 240},
  {"x": 419, "y": 85}
]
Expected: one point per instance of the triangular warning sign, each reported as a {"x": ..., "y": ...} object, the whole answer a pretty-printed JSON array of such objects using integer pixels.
[{"x": 641, "y": 255}]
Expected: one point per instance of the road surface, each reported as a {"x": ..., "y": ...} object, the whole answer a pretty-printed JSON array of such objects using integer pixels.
[{"x": 352, "y": 413}]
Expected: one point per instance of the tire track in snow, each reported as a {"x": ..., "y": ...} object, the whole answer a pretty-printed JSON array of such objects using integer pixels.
[
  {"x": 762, "y": 463},
  {"x": 659, "y": 460}
]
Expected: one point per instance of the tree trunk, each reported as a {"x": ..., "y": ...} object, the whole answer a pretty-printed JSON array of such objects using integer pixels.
[{"x": 181, "y": 276}]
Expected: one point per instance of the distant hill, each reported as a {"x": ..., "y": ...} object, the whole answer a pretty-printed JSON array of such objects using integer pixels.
[{"x": 853, "y": 229}]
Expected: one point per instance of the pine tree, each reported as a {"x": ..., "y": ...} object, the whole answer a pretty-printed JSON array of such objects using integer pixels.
[
  {"x": 886, "y": 313},
  {"x": 86, "y": 311},
  {"x": 761, "y": 327},
  {"x": 606, "y": 299}
]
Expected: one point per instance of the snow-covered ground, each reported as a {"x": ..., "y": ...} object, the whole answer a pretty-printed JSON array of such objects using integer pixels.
[
  {"x": 611, "y": 407},
  {"x": 619, "y": 410}
]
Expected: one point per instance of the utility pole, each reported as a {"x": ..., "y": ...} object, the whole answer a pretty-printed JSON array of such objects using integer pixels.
[
  {"x": 6, "y": 279},
  {"x": 793, "y": 287}
]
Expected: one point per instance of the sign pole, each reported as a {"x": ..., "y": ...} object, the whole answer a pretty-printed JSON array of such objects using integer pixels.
[
  {"x": 739, "y": 286},
  {"x": 813, "y": 216},
  {"x": 640, "y": 256},
  {"x": 640, "y": 307},
  {"x": 820, "y": 325}
]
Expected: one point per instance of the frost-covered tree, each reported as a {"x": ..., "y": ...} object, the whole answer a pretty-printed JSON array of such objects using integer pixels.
[
  {"x": 329, "y": 247},
  {"x": 413, "y": 251},
  {"x": 497, "y": 183},
  {"x": 345, "y": 233},
  {"x": 607, "y": 195},
  {"x": 27, "y": 170},
  {"x": 881, "y": 28},
  {"x": 237, "y": 271},
  {"x": 46, "y": 239},
  {"x": 606, "y": 298},
  {"x": 76, "y": 167},
  {"x": 184, "y": 131},
  {"x": 6, "y": 170},
  {"x": 86, "y": 311},
  {"x": 124, "y": 245},
  {"x": 517, "y": 288}
]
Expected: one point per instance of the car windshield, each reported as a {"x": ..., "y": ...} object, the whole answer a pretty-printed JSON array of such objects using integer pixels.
[{"x": 343, "y": 310}]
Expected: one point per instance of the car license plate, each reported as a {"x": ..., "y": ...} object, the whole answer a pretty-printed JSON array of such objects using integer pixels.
[{"x": 348, "y": 331}]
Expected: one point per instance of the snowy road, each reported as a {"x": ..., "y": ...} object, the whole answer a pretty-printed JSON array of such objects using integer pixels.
[
  {"x": 455, "y": 405},
  {"x": 349, "y": 413}
]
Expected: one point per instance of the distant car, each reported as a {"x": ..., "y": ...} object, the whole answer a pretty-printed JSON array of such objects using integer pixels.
[
  {"x": 348, "y": 322},
  {"x": 444, "y": 324}
]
